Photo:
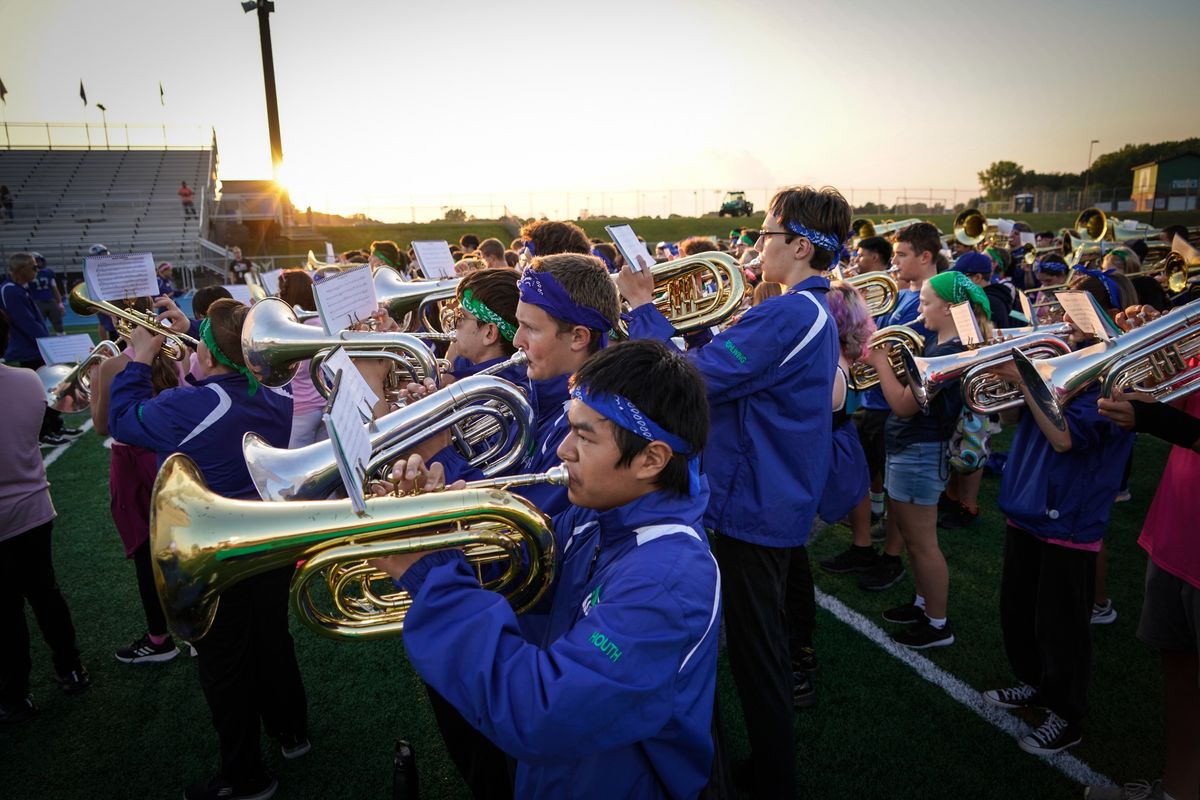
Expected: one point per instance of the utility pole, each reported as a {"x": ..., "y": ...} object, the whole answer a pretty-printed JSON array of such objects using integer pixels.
[{"x": 264, "y": 8}]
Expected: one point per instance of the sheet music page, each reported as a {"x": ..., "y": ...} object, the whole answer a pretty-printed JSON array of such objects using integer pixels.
[
  {"x": 270, "y": 281},
  {"x": 1028, "y": 239},
  {"x": 345, "y": 298},
  {"x": 120, "y": 277},
  {"x": 240, "y": 292},
  {"x": 434, "y": 259},
  {"x": 630, "y": 246},
  {"x": 353, "y": 382},
  {"x": 966, "y": 324},
  {"x": 1087, "y": 314},
  {"x": 330, "y": 256},
  {"x": 1005, "y": 226},
  {"x": 348, "y": 434},
  {"x": 69, "y": 349},
  {"x": 1026, "y": 308}
]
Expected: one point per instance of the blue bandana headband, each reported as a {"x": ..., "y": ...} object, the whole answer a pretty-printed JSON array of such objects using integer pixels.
[
  {"x": 1114, "y": 292},
  {"x": 1056, "y": 267},
  {"x": 622, "y": 412},
  {"x": 825, "y": 241},
  {"x": 598, "y": 253},
  {"x": 541, "y": 289}
]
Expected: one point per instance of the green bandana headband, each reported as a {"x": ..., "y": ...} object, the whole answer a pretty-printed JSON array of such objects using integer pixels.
[
  {"x": 211, "y": 343},
  {"x": 379, "y": 254},
  {"x": 481, "y": 312},
  {"x": 954, "y": 287}
]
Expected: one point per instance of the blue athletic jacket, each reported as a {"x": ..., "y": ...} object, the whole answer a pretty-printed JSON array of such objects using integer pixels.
[
  {"x": 25, "y": 323},
  {"x": 908, "y": 308},
  {"x": 769, "y": 381},
  {"x": 547, "y": 398},
  {"x": 205, "y": 419},
  {"x": 617, "y": 703},
  {"x": 1065, "y": 495}
]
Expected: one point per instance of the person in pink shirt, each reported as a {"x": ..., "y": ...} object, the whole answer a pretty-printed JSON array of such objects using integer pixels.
[
  {"x": 26, "y": 565},
  {"x": 295, "y": 289}
]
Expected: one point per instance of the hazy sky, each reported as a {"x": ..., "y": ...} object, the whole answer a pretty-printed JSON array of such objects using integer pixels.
[{"x": 382, "y": 100}]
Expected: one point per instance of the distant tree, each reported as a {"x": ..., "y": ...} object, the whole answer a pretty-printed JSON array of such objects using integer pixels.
[
  {"x": 455, "y": 215},
  {"x": 1000, "y": 179}
]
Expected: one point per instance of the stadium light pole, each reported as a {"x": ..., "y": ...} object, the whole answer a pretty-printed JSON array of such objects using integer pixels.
[
  {"x": 1087, "y": 173},
  {"x": 264, "y": 8}
]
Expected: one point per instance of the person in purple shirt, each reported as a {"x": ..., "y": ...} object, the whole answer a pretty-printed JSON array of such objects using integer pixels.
[{"x": 46, "y": 293}]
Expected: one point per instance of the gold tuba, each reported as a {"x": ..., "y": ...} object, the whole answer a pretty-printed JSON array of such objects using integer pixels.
[
  {"x": 311, "y": 472},
  {"x": 203, "y": 543},
  {"x": 1155, "y": 358},
  {"x": 274, "y": 342},
  {"x": 127, "y": 318},
  {"x": 879, "y": 289},
  {"x": 901, "y": 337},
  {"x": 696, "y": 292},
  {"x": 69, "y": 388}
]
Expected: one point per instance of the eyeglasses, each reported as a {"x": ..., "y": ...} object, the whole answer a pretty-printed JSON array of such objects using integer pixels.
[{"x": 764, "y": 232}]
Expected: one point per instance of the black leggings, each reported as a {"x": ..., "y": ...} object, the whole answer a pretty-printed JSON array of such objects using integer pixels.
[{"x": 156, "y": 623}]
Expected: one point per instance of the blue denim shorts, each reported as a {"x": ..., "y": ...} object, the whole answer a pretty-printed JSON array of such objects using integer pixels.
[{"x": 917, "y": 474}]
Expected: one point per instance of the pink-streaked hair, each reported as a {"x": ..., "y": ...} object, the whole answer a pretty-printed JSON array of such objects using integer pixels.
[{"x": 853, "y": 319}]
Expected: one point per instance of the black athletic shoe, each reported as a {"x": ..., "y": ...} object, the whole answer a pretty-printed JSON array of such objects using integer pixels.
[
  {"x": 806, "y": 662},
  {"x": 12, "y": 713},
  {"x": 220, "y": 789},
  {"x": 854, "y": 559},
  {"x": 294, "y": 745},
  {"x": 76, "y": 681},
  {"x": 958, "y": 517},
  {"x": 1051, "y": 736},
  {"x": 52, "y": 440},
  {"x": 886, "y": 573},
  {"x": 923, "y": 635},
  {"x": 70, "y": 432},
  {"x": 143, "y": 650},
  {"x": 804, "y": 692},
  {"x": 1022, "y": 696},
  {"x": 906, "y": 614}
]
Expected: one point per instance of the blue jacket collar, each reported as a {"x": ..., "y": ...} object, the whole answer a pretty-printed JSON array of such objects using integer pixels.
[
  {"x": 814, "y": 284},
  {"x": 231, "y": 379},
  {"x": 549, "y": 395},
  {"x": 656, "y": 508}
]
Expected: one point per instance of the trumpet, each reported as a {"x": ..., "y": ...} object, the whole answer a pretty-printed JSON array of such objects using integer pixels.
[
  {"x": 1156, "y": 358},
  {"x": 879, "y": 289},
  {"x": 202, "y": 544},
  {"x": 69, "y": 388},
  {"x": 1175, "y": 270},
  {"x": 311, "y": 472},
  {"x": 127, "y": 318},
  {"x": 679, "y": 291},
  {"x": 900, "y": 337},
  {"x": 982, "y": 392},
  {"x": 274, "y": 342}
]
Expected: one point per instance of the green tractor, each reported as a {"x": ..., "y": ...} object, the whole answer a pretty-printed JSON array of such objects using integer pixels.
[{"x": 736, "y": 205}]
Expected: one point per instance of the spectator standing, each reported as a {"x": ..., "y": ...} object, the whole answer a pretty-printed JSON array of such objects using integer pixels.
[{"x": 185, "y": 194}]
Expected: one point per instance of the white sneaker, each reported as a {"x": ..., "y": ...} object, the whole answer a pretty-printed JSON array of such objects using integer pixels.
[{"x": 1104, "y": 613}]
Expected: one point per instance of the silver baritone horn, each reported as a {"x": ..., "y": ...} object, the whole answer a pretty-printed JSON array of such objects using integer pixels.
[
  {"x": 1158, "y": 358},
  {"x": 69, "y": 388}
]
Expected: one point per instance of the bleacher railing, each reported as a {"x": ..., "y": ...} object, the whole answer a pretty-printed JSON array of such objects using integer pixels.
[{"x": 113, "y": 136}]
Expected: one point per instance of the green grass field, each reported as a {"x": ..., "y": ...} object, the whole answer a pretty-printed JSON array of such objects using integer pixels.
[{"x": 878, "y": 729}]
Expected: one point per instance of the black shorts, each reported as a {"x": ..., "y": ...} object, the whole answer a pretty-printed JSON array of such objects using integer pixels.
[
  {"x": 870, "y": 422},
  {"x": 1170, "y": 613}
]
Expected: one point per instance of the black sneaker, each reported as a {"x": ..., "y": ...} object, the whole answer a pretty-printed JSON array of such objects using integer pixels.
[
  {"x": 52, "y": 440},
  {"x": 804, "y": 692},
  {"x": 879, "y": 528},
  {"x": 76, "y": 681},
  {"x": 220, "y": 789},
  {"x": 906, "y": 614},
  {"x": 923, "y": 635},
  {"x": 886, "y": 573},
  {"x": 70, "y": 433},
  {"x": 294, "y": 745},
  {"x": 143, "y": 650},
  {"x": 1022, "y": 696},
  {"x": 958, "y": 517},
  {"x": 1051, "y": 736},
  {"x": 805, "y": 662},
  {"x": 12, "y": 713},
  {"x": 855, "y": 559}
]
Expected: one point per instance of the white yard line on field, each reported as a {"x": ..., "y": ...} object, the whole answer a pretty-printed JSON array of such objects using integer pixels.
[
  {"x": 960, "y": 691},
  {"x": 53, "y": 455}
]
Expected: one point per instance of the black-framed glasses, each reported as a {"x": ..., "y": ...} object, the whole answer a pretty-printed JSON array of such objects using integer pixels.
[{"x": 764, "y": 232}]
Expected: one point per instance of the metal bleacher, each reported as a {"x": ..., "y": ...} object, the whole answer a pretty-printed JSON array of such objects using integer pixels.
[{"x": 66, "y": 200}]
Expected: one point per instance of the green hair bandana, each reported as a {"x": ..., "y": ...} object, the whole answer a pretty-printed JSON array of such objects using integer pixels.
[
  {"x": 379, "y": 254},
  {"x": 211, "y": 343},
  {"x": 954, "y": 287},
  {"x": 481, "y": 312}
]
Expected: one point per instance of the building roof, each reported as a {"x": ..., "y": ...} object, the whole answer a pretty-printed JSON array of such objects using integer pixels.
[{"x": 1166, "y": 160}]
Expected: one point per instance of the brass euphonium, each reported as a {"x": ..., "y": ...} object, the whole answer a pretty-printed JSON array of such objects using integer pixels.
[
  {"x": 69, "y": 388},
  {"x": 411, "y": 303},
  {"x": 274, "y": 342},
  {"x": 203, "y": 543},
  {"x": 900, "y": 337},
  {"x": 696, "y": 292},
  {"x": 311, "y": 472},
  {"x": 879, "y": 289},
  {"x": 1156, "y": 358},
  {"x": 971, "y": 227},
  {"x": 126, "y": 319},
  {"x": 926, "y": 376}
]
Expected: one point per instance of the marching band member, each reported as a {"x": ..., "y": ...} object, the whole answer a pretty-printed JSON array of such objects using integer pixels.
[
  {"x": 616, "y": 699},
  {"x": 295, "y": 289},
  {"x": 917, "y": 466},
  {"x": 247, "y": 663},
  {"x": 26, "y": 565},
  {"x": 769, "y": 379},
  {"x": 486, "y": 323},
  {"x": 1055, "y": 526}
]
